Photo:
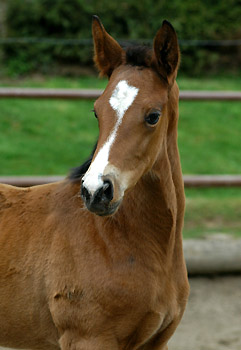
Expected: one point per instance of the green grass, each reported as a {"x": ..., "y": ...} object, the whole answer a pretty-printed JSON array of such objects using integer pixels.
[
  {"x": 209, "y": 137},
  {"x": 211, "y": 211},
  {"x": 84, "y": 82},
  {"x": 45, "y": 137},
  {"x": 210, "y": 83},
  {"x": 40, "y": 137}
]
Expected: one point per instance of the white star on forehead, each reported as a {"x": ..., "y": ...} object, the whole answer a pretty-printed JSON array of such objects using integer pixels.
[{"x": 123, "y": 97}]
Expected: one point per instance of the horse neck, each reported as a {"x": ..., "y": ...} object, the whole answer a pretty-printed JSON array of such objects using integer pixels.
[
  {"x": 153, "y": 210},
  {"x": 150, "y": 217},
  {"x": 142, "y": 225}
]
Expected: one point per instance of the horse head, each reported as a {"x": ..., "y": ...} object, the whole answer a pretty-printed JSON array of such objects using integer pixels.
[{"x": 132, "y": 114}]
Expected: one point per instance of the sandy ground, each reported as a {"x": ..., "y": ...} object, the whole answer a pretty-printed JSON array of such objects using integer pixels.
[{"x": 212, "y": 320}]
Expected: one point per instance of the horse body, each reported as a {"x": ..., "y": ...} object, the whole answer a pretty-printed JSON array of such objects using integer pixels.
[
  {"x": 56, "y": 273},
  {"x": 24, "y": 316},
  {"x": 72, "y": 279}
]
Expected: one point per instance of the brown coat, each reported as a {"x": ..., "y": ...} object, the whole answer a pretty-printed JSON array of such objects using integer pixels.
[{"x": 72, "y": 279}]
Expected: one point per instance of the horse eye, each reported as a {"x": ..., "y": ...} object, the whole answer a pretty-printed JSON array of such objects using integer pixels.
[{"x": 152, "y": 118}]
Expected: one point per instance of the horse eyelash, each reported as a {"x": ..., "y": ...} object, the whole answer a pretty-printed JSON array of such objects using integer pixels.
[{"x": 93, "y": 110}]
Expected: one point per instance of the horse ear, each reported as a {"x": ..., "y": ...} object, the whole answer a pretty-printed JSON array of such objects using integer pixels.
[
  {"x": 166, "y": 51},
  {"x": 108, "y": 53}
]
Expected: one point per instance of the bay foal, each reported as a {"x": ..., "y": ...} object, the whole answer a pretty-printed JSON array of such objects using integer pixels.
[{"x": 95, "y": 262}]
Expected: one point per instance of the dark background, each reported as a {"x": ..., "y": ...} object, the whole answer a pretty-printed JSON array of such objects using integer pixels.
[{"x": 54, "y": 36}]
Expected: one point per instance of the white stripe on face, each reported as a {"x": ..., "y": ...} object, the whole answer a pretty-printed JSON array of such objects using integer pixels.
[{"x": 121, "y": 99}]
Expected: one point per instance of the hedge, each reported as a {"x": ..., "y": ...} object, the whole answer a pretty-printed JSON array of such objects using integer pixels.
[{"x": 129, "y": 19}]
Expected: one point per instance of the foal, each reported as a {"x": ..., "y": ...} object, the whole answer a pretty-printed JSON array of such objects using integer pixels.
[{"x": 95, "y": 262}]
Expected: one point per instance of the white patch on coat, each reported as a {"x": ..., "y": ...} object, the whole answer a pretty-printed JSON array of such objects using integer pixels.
[{"x": 122, "y": 98}]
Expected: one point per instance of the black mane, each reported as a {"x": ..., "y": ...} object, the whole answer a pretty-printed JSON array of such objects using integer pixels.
[{"x": 77, "y": 173}]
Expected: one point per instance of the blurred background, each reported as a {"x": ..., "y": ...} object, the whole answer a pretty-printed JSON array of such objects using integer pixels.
[{"x": 47, "y": 43}]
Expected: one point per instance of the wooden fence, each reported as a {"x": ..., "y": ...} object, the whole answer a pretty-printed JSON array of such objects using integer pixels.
[
  {"x": 79, "y": 94},
  {"x": 71, "y": 94},
  {"x": 189, "y": 180}
]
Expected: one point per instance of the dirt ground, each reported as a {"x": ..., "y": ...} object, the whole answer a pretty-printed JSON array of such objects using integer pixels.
[{"x": 212, "y": 320}]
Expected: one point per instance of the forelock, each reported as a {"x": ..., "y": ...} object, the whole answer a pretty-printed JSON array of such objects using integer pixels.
[{"x": 139, "y": 56}]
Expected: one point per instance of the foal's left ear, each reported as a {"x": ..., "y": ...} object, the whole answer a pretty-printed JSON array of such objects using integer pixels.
[
  {"x": 166, "y": 51},
  {"x": 108, "y": 53}
]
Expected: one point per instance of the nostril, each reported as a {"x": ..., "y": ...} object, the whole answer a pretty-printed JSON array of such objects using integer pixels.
[
  {"x": 100, "y": 199},
  {"x": 85, "y": 193},
  {"x": 108, "y": 191}
]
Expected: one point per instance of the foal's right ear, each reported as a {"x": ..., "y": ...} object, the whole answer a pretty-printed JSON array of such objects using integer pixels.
[{"x": 108, "y": 53}]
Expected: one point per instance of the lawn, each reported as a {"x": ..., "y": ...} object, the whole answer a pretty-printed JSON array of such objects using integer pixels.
[{"x": 51, "y": 136}]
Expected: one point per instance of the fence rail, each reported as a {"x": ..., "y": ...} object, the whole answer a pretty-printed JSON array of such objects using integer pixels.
[
  {"x": 189, "y": 180},
  {"x": 80, "y": 94}
]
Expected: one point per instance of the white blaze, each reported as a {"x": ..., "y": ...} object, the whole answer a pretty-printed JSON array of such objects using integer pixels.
[{"x": 121, "y": 99}]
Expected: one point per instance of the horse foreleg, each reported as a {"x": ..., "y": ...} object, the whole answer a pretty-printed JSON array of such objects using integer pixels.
[
  {"x": 155, "y": 347},
  {"x": 71, "y": 340},
  {"x": 160, "y": 340}
]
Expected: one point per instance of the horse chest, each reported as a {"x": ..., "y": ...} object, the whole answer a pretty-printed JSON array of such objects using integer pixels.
[
  {"x": 124, "y": 285},
  {"x": 143, "y": 309},
  {"x": 136, "y": 308},
  {"x": 124, "y": 298}
]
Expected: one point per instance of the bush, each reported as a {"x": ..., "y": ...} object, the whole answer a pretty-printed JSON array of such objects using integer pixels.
[{"x": 128, "y": 19}]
